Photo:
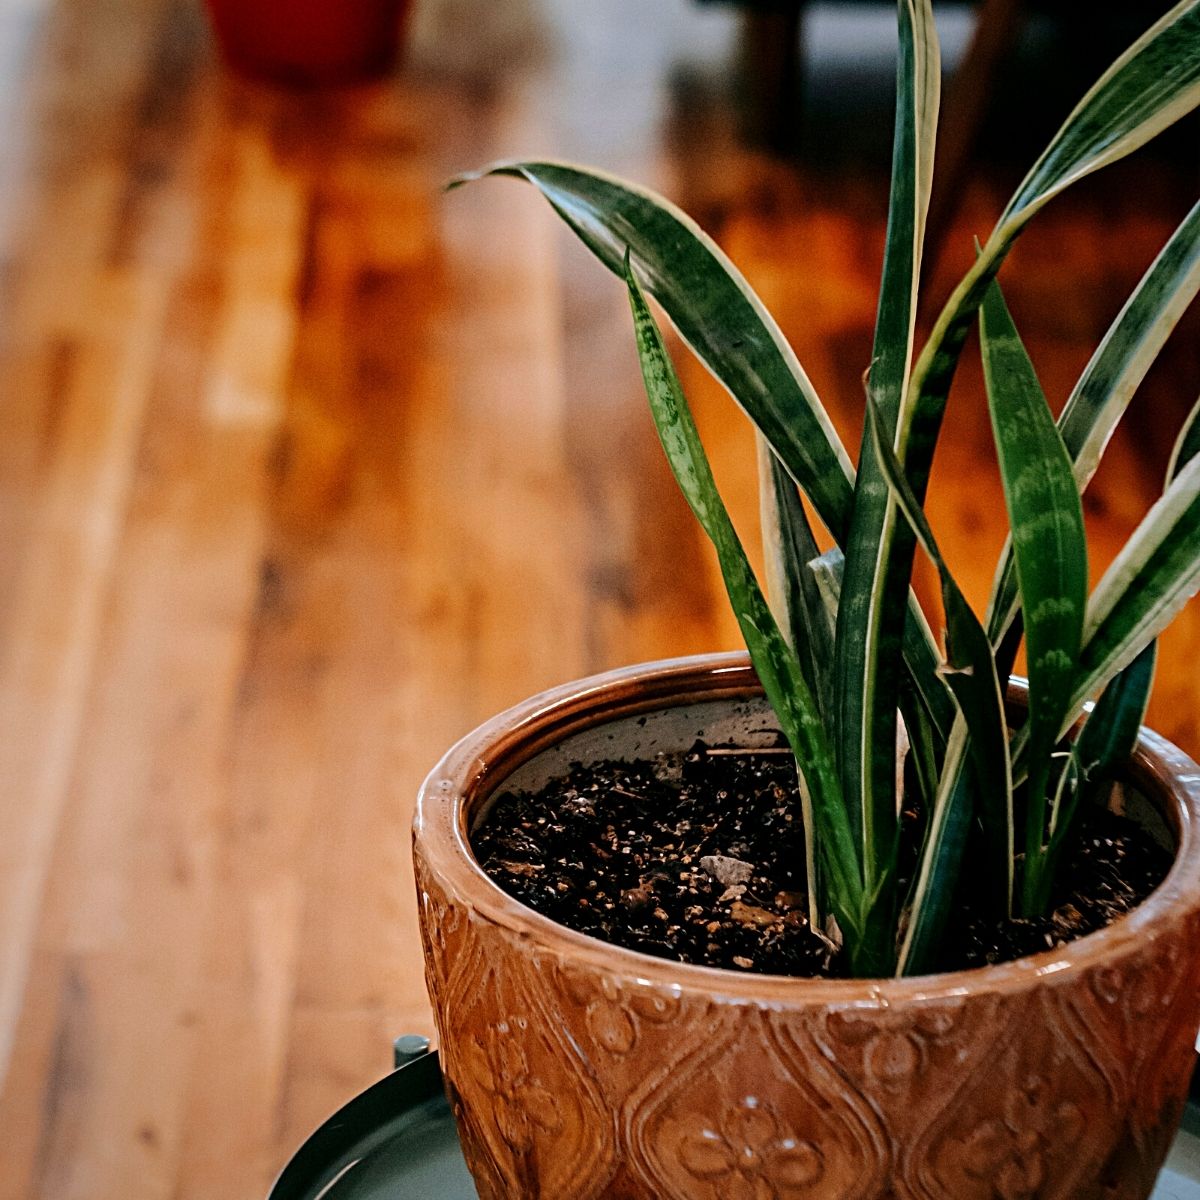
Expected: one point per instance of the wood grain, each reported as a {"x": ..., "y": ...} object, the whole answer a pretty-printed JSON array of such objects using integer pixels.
[{"x": 306, "y": 468}]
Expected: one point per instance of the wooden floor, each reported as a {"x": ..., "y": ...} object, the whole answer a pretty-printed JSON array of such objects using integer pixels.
[{"x": 307, "y": 468}]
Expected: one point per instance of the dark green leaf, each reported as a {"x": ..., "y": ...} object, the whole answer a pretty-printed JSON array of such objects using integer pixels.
[
  {"x": 789, "y": 547},
  {"x": 1151, "y": 85},
  {"x": 727, "y": 326},
  {"x": 933, "y": 892},
  {"x": 1110, "y": 732},
  {"x": 777, "y": 667},
  {"x": 870, "y": 625},
  {"x": 1050, "y": 549},
  {"x": 715, "y": 310},
  {"x": 1153, "y": 577},
  {"x": 1187, "y": 444},
  {"x": 1102, "y": 394},
  {"x": 971, "y": 675}
]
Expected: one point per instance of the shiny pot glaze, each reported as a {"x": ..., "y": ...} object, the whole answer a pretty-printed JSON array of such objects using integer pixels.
[{"x": 577, "y": 1069}]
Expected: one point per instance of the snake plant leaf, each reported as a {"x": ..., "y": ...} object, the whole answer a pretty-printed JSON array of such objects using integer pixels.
[
  {"x": 870, "y": 625},
  {"x": 1150, "y": 86},
  {"x": 918, "y": 95},
  {"x": 799, "y": 610},
  {"x": 1102, "y": 394},
  {"x": 1110, "y": 732},
  {"x": 1128, "y": 106},
  {"x": 932, "y": 895},
  {"x": 1050, "y": 550},
  {"x": 1187, "y": 444},
  {"x": 827, "y": 569},
  {"x": 1150, "y": 580},
  {"x": 795, "y": 597},
  {"x": 715, "y": 310},
  {"x": 928, "y": 723},
  {"x": 971, "y": 674},
  {"x": 1108, "y": 736},
  {"x": 776, "y": 664},
  {"x": 720, "y": 317},
  {"x": 1154, "y": 83},
  {"x": 1130, "y": 347},
  {"x": 1147, "y": 584},
  {"x": 925, "y": 756}
]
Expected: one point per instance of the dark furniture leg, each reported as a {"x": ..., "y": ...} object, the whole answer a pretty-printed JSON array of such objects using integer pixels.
[
  {"x": 771, "y": 71},
  {"x": 965, "y": 104}
]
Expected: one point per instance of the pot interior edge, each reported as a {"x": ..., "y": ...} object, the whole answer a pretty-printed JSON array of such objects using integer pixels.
[
  {"x": 591, "y": 727},
  {"x": 491, "y": 756},
  {"x": 1133, "y": 794},
  {"x": 633, "y": 727}
]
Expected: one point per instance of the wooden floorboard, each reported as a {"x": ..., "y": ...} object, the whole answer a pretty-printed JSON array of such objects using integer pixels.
[{"x": 307, "y": 467}]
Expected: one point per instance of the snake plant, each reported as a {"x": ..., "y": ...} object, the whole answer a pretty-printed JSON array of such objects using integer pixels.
[{"x": 844, "y": 653}]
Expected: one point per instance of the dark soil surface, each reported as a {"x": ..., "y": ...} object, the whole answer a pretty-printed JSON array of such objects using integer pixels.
[{"x": 701, "y": 860}]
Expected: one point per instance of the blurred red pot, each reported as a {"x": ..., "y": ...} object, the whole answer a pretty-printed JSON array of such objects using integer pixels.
[{"x": 309, "y": 41}]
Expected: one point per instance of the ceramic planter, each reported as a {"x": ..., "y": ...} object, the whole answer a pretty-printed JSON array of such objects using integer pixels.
[
  {"x": 309, "y": 41},
  {"x": 580, "y": 1070}
]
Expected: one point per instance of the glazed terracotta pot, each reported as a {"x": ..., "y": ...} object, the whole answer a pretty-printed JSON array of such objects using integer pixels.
[
  {"x": 578, "y": 1069},
  {"x": 309, "y": 41}
]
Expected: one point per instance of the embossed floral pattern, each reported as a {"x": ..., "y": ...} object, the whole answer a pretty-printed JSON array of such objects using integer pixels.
[
  {"x": 895, "y": 1047},
  {"x": 700, "y": 1139},
  {"x": 520, "y": 1104},
  {"x": 1011, "y": 1152},
  {"x": 613, "y": 1012},
  {"x": 601, "y": 1075},
  {"x": 751, "y": 1155}
]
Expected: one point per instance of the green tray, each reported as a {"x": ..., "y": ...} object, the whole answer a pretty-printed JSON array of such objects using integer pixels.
[{"x": 397, "y": 1141}]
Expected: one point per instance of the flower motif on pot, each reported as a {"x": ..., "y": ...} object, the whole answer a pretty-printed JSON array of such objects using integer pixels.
[
  {"x": 1133, "y": 996},
  {"x": 521, "y": 1106},
  {"x": 893, "y": 1048},
  {"x": 1107, "y": 983},
  {"x": 614, "y": 1011},
  {"x": 751, "y": 1155},
  {"x": 751, "y": 1108},
  {"x": 1134, "y": 1010},
  {"x": 1010, "y": 1151}
]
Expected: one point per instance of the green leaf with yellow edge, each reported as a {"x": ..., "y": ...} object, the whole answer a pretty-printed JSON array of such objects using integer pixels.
[
  {"x": 1050, "y": 551},
  {"x": 776, "y": 664}
]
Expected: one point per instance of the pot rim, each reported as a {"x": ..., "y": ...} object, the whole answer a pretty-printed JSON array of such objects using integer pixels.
[{"x": 480, "y": 762}]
